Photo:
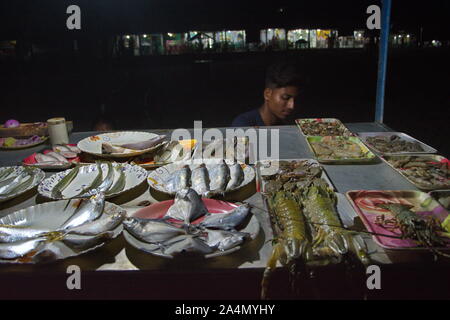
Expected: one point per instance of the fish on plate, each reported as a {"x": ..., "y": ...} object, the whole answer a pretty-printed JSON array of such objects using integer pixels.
[
  {"x": 108, "y": 148},
  {"x": 187, "y": 207},
  {"x": 200, "y": 180},
  {"x": 88, "y": 210},
  {"x": 151, "y": 230},
  {"x": 226, "y": 221},
  {"x": 225, "y": 240},
  {"x": 219, "y": 176},
  {"x": 180, "y": 179}
]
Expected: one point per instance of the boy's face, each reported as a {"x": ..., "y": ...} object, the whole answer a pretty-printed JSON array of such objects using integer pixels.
[{"x": 281, "y": 101}]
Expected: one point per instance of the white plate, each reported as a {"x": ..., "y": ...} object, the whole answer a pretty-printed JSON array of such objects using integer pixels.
[
  {"x": 134, "y": 175},
  {"x": 157, "y": 178},
  {"x": 37, "y": 176},
  {"x": 50, "y": 216},
  {"x": 93, "y": 144}
]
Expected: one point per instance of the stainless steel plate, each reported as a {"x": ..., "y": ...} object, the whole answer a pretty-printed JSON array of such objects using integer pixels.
[{"x": 426, "y": 148}]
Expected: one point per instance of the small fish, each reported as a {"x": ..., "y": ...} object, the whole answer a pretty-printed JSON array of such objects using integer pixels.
[
  {"x": 236, "y": 176},
  {"x": 12, "y": 233},
  {"x": 92, "y": 188},
  {"x": 224, "y": 240},
  {"x": 226, "y": 221},
  {"x": 19, "y": 249},
  {"x": 180, "y": 179},
  {"x": 57, "y": 156},
  {"x": 107, "y": 182},
  {"x": 219, "y": 176},
  {"x": 81, "y": 242},
  {"x": 44, "y": 158},
  {"x": 21, "y": 178},
  {"x": 200, "y": 179},
  {"x": 187, "y": 207},
  {"x": 104, "y": 223},
  {"x": 64, "y": 183},
  {"x": 144, "y": 144},
  {"x": 120, "y": 183},
  {"x": 151, "y": 231},
  {"x": 5, "y": 173},
  {"x": 74, "y": 149},
  {"x": 88, "y": 210},
  {"x": 214, "y": 149},
  {"x": 186, "y": 243}
]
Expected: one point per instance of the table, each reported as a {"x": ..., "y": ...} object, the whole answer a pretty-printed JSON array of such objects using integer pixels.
[{"x": 118, "y": 270}]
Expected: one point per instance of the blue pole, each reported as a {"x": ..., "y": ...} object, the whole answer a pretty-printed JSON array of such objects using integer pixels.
[{"x": 382, "y": 59}]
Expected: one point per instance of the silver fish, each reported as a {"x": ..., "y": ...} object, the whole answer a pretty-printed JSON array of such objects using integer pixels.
[
  {"x": 107, "y": 182},
  {"x": 187, "y": 207},
  {"x": 180, "y": 179},
  {"x": 64, "y": 182},
  {"x": 21, "y": 178},
  {"x": 88, "y": 210},
  {"x": 200, "y": 179},
  {"x": 230, "y": 149},
  {"x": 80, "y": 242},
  {"x": 226, "y": 221},
  {"x": 120, "y": 183},
  {"x": 105, "y": 223},
  {"x": 151, "y": 231},
  {"x": 224, "y": 240},
  {"x": 236, "y": 176},
  {"x": 219, "y": 176},
  {"x": 15, "y": 250},
  {"x": 6, "y": 173},
  {"x": 93, "y": 187},
  {"x": 57, "y": 156},
  {"x": 40, "y": 158},
  {"x": 144, "y": 144},
  {"x": 11, "y": 233},
  {"x": 73, "y": 148},
  {"x": 186, "y": 243}
]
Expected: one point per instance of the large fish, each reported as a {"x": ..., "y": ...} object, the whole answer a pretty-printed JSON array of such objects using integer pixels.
[
  {"x": 224, "y": 240},
  {"x": 226, "y": 221},
  {"x": 185, "y": 243},
  {"x": 142, "y": 145},
  {"x": 150, "y": 230},
  {"x": 187, "y": 207},
  {"x": 200, "y": 179},
  {"x": 105, "y": 223},
  {"x": 88, "y": 210},
  {"x": 219, "y": 176},
  {"x": 236, "y": 176},
  {"x": 179, "y": 180},
  {"x": 19, "y": 249}
]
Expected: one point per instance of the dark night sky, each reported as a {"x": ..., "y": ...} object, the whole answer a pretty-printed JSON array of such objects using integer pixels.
[{"x": 46, "y": 17}]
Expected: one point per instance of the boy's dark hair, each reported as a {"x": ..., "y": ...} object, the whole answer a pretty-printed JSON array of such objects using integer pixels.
[{"x": 283, "y": 74}]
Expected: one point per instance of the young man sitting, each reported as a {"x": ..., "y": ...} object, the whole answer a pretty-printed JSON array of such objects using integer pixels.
[{"x": 283, "y": 83}]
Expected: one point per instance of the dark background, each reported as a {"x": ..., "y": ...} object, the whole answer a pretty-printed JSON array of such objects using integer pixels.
[{"x": 173, "y": 91}]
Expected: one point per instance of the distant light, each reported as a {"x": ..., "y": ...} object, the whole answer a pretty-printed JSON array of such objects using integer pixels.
[
  {"x": 407, "y": 35},
  {"x": 145, "y": 36},
  {"x": 400, "y": 36},
  {"x": 170, "y": 34},
  {"x": 318, "y": 30},
  {"x": 128, "y": 37},
  {"x": 281, "y": 10},
  {"x": 433, "y": 42}
]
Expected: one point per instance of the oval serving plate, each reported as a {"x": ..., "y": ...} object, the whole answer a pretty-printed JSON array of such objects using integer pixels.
[
  {"x": 157, "y": 178},
  {"x": 159, "y": 209},
  {"x": 134, "y": 176},
  {"x": 37, "y": 176},
  {"x": 50, "y": 216},
  {"x": 93, "y": 144}
]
